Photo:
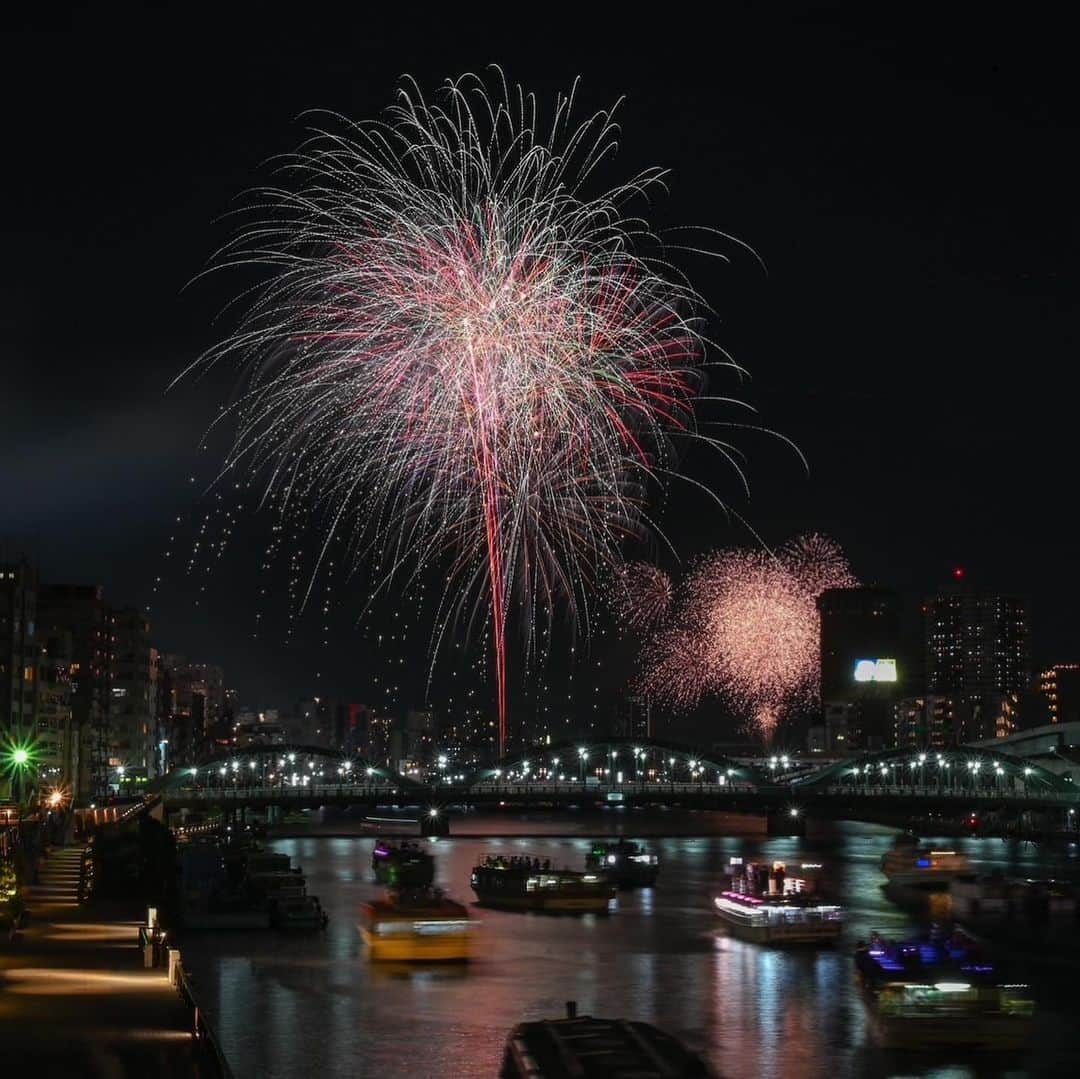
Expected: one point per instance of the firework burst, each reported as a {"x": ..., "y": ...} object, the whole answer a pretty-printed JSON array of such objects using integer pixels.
[
  {"x": 640, "y": 595},
  {"x": 748, "y": 629},
  {"x": 459, "y": 357}
]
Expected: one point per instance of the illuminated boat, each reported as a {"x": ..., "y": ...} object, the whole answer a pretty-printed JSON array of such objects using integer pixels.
[
  {"x": 402, "y": 865},
  {"x": 520, "y": 883},
  {"x": 589, "y": 1046},
  {"x": 417, "y": 925},
  {"x": 627, "y": 864},
  {"x": 935, "y": 991},
  {"x": 923, "y": 868},
  {"x": 766, "y": 905}
]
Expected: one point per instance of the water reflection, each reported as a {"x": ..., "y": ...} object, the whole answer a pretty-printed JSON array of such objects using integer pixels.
[{"x": 294, "y": 1005}]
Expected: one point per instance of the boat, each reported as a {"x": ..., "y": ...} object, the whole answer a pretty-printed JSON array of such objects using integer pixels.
[
  {"x": 417, "y": 925},
  {"x": 298, "y": 912},
  {"x": 766, "y": 905},
  {"x": 277, "y": 885},
  {"x": 936, "y": 991},
  {"x": 526, "y": 884},
  {"x": 590, "y": 1046},
  {"x": 627, "y": 864},
  {"x": 909, "y": 864},
  {"x": 996, "y": 899},
  {"x": 402, "y": 865}
]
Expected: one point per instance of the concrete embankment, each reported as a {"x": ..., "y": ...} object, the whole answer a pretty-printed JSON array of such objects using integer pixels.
[{"x": 76, "y": 998}]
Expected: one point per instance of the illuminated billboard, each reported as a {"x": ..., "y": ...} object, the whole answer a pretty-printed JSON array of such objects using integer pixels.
[{"x": 875, "y": 670}]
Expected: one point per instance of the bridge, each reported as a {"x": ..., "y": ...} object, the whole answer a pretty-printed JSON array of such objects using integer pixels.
[{"x": 633, "y": 772}]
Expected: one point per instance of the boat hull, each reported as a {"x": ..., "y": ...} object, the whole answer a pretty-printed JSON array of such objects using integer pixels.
[
  {"x": 409, "y": 948},
  {"x": 814, "y": 934},
  {"x": 992, "y": 1031},
  {"x": 552, "y": 904}
]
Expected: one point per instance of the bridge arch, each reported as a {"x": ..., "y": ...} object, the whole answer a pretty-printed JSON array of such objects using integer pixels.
[
  {"x": 957, "y": 768},
  {"x": 636, "y": 759},
  {"x": 291, "y": 765}
]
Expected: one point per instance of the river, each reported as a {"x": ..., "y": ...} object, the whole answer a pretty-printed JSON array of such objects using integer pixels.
[{"x": 304, "y": 1005}]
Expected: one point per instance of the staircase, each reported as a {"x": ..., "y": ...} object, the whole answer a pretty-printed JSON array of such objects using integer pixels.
[{"x": 58, "y": 880}]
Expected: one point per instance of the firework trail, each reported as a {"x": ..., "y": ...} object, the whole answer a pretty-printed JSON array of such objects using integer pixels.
[
  {"x": 640, "y": 595},
  {"x": 748, "y": 629},
  {"x": 458, "y": 357}
]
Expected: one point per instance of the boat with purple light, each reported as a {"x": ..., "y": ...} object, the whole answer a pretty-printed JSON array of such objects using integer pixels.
[
  {"x": 767, "y": 905},
  {"x": 938, "y": 991},
  {"x": 402, "y": 865}
]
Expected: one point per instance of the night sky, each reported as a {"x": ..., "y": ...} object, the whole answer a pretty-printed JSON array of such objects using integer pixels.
[{"x": 911, "y": 189}]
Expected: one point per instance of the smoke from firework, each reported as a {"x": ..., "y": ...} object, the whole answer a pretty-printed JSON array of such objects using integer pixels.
[{"x": 747, "y": 629}]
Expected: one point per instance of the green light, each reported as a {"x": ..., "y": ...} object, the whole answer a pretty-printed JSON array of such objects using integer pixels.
[{"x": 20, "y": 756}]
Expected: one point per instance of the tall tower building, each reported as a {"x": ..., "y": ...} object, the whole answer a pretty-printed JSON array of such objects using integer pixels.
[
  {"x": 132, "y": 704},
  {"x": 865, "y": 666},
  {"x": 80, "y": 610},
  {"x": 1057, "y": 694},
  {"x": 978, "y": 652},
  {"x": 18, "y": 646}
]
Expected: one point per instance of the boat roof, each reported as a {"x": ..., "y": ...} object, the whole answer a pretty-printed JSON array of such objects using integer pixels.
[{"x": 594, "y": 1048}]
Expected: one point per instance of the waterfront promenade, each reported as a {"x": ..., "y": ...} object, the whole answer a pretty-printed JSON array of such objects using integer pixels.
[{"x": 74, "y": 997}]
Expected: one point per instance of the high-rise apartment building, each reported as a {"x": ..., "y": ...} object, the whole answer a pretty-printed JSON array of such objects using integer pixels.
[
  {"x": 18, "y": 647},
  {"x": 1057, "y": 696},
  {"x": 978, "y": 652},
  {"x": 81, "y": 612},
  {"x": 132, "y": 698}
]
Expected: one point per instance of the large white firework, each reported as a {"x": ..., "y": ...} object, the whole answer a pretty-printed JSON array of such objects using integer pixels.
[{"x": 460, "y": 356}]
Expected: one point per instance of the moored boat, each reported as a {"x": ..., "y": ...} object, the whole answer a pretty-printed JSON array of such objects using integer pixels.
[
  {"x": 298, "y": 913},
  {"x": 912, "y": 865},
  {"x": 627, "y": 864},
  {"x": 936, "y": 991},
  {"x": 767, "y": 905},
  {"x": 417, "y": 925},
  {"x": 996, "y": 899},
  {"x": 402, "y": 864},
  {"x": 528, "y": 884},
  {"x": 590, "y": 1046}
]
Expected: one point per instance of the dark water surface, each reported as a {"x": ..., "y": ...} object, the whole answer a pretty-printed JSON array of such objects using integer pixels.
[{"x": 313, "y": 1005}]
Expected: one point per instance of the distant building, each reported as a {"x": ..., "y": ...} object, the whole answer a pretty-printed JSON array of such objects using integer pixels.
[
  {"x": 833, "y": 735},
  {"x": 132, "y": 699},
  {"x": 57, "y": 734},
  {"x": 978, "y": 652},
  {"x": 1057, "y": 695},
  {"x": 191, "y": 705},
  {"x": 18, "y": 652},
  {"x": 81, "y": 611},
  {"x": 864, "y": 666},
  {"x": 925, "y": 722}
]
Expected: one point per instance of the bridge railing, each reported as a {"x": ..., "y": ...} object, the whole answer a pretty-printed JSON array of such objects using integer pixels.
[
  {"x": 907, "y": 791},
  {"x": 589, "y": 789},
  {"x": 218, "y": 795}
]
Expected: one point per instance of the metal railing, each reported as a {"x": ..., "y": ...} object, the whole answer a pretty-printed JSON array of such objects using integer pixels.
[
  {"x": 204, "y": 1032},
  {"x": 908, "y": 791},
  {"x": 287, "y": 794}
]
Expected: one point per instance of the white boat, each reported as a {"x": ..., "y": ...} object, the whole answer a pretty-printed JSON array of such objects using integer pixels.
[
  {"x": 922, "y": 867},
  {"x": 771, "y": 906}
]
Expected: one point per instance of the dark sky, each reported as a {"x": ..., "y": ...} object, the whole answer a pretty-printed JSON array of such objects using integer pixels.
[{"x": 912, "y": 190}]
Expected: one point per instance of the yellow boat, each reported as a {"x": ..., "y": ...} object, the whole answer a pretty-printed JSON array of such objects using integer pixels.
[{"x": 417, "y": 926}]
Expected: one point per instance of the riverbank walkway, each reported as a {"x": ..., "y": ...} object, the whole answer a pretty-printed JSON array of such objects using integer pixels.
[{"x": 75, "y": 999}]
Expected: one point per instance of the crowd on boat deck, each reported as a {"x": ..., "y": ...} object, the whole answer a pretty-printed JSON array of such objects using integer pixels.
[{"x": 497, "y": 861}]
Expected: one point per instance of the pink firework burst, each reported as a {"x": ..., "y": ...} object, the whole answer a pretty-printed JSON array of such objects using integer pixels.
[
  {"x": 748, "y": 630},
  {"x": 640, "y": 595}
]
